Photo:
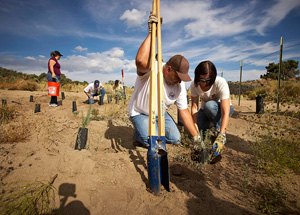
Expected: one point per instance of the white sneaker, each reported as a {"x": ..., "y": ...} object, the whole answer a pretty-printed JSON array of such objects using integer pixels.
[{"x": 53, "y": 105}]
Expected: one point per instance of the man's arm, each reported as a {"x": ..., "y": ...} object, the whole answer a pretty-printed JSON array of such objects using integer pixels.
[
  {"x": 142, "y": 59},
  {"x": 86, "y": 91},
  {"x": 88, "y": 95},
  {"x": 188, "y": 123}
]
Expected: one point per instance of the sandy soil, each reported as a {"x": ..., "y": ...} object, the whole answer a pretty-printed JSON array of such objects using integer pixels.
[{"x": 110, "y": 176}]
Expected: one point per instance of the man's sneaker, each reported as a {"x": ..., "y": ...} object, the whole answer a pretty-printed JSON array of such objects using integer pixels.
[{"x": 53, "y": 105}]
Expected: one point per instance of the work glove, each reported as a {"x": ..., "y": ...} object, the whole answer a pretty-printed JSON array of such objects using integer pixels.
[
  {"x": 218, "y": 145},
  {"x": 152, "y": 19},
  {"x": 199, "y": 150},
  {"x": 197, "y": 141}
]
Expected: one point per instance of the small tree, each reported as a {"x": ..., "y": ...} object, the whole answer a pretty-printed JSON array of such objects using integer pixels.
[{"x": 289, "y": 70}]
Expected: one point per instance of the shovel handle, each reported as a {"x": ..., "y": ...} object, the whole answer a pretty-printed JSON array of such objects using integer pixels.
[
  {"x": 153, "y": 78},
  {"x": 160, "y": 87}
]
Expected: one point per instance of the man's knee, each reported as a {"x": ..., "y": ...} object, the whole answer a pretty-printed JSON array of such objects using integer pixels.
[{"x": 173, "y": 136}]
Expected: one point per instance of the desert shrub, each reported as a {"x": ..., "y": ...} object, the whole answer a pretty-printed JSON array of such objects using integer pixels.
[
  {"x": 72, "y": 87},
  {"x": 27, "y": 85},
  {"x": 86, "y": 119},
  {"x": 256, "y": 92},
  {"x": 30, "y": 86},
  {"x": 13, "y": 132},
  {"x": 290, "y": 92},
  {"x": 95, "y": 115},
  {"x": 32, "y": 198},
  {"x": 276, "y": 155},
  {"x": 6, "y": 114},
  {"x": 271, "y": 198},
  {"x": 116, "y": 111}
]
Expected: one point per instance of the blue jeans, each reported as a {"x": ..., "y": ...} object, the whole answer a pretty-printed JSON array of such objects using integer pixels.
[
  {"x": 211, "y": 116},
  {"x": 101, "y": 96},
  {"x": 141, "y": 125}
]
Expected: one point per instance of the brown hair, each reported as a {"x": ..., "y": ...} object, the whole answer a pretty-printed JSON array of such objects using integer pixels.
[{"x": 203, "y": 68}]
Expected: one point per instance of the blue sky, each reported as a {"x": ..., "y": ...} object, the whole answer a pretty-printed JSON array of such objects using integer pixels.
[{"x": 98, "y": 38}]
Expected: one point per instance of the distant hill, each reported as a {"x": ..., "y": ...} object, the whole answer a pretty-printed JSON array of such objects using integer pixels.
[
  {"x": 11, "y": 75},
  {"x": 14, "y": 80}
]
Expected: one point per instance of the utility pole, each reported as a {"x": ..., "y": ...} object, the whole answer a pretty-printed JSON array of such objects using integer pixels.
[
  {"x": 279, "y": 72},
  {"x": 241, "y": 69}
]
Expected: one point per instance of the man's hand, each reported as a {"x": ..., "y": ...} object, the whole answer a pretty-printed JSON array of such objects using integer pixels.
[
  {"x": 199, "y": 150},
  {"x": 152, "y": 19},
  {"x": 219, "y": 142},
  {"x": 197, "y": 139}
]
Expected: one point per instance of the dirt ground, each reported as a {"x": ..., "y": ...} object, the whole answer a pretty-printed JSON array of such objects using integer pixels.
[{"x": 110, "y": 176}]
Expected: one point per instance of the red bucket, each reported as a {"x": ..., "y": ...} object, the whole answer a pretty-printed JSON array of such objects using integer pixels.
[{"x": 53, "y": 88}]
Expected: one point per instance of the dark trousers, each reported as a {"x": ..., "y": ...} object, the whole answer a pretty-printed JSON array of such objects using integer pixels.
[{"x": 53, "y": 99}]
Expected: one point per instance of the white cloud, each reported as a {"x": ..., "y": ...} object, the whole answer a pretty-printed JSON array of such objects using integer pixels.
[
  {"x": 115, "y": 52},
  {"x": 104, "y": 66},
  {"x": 30, "y": 58},
  {"x": 134, "y": 17},
  {"x": 276, "y": 13},
  {"x": 201, "y": 19},
  {"x": 80, "y": 49}
]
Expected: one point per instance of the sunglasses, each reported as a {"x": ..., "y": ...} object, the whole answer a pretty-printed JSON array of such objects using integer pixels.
[{"x": 204, "y": 81}]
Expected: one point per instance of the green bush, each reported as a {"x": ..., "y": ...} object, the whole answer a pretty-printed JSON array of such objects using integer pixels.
[{"x": 276, "y": 155}]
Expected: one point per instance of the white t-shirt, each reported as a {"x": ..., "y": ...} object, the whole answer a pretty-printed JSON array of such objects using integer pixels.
[
  {"x": 218, "y": 91},
  {"x": 139, "y": 102},
  {"x": 91, "y": 88}
]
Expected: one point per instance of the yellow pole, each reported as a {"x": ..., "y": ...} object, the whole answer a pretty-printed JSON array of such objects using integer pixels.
[
  {"x": 153, "y": 79},
  {"x": 160, "y": 87}
]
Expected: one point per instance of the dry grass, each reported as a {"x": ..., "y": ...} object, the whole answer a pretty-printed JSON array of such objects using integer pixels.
[
  {"x": 271, "y": 198},
  {"x": 11, "y": 130},
  {"x": 27, "y": 85},
  {"x": 276, "y": 155},
  {"x": 6, "y": 114},
  {"x": 32, "y": 198},
  {"x": 289, "y": 91}
]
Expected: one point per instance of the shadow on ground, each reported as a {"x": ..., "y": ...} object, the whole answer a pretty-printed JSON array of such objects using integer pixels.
[
  {"x": 76, "y": 207},
  {"x": 238, "y": 144},
  {"x": 201, "y": 200},
  {"x": 120, "y": 136}
]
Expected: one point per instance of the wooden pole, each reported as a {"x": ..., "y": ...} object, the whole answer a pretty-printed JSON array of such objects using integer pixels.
[
  {"x": 240, "y": 85},
  {"x": 153, "y": 79},
  {"x": 157, "y": 156},
  {"x": 160, "y": 87},
  {"x": 279, "y": 72}
]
